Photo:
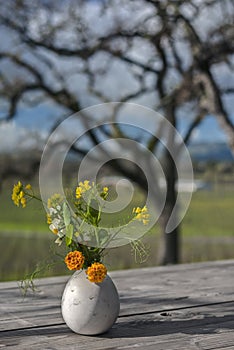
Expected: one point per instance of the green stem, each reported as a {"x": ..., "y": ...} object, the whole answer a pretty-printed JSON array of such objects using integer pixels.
[
  {"x": 96, "y": 235},
  {"x": 32, "y": 196},
  {"x": 115, "y": 234}
]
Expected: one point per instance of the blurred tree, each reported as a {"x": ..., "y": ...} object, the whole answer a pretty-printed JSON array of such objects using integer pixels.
[{"x": 176, "y": 56}]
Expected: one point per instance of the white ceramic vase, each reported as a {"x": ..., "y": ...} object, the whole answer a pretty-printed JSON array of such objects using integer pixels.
[{"x": 89, "y": 308}]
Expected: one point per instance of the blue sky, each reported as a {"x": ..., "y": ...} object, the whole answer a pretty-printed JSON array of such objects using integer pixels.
[
  {"x": 208, "y": 131},
  {"x": 42, "y": 118}
]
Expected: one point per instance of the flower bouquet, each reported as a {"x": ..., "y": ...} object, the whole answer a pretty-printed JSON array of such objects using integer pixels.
[
  {"x": 78, "y": 225},
  {"x": 77, "y": 220}
]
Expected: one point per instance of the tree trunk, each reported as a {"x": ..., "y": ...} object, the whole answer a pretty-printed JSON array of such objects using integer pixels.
[{"x": 169, "y": 250}]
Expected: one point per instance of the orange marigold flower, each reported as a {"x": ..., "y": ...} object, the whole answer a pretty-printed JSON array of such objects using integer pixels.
[
  {"x": 96, "y": 272},
  {"x": 74, "y": 260}
]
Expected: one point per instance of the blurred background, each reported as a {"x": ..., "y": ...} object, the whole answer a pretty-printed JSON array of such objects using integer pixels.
[{"x": 175, "y": 57}]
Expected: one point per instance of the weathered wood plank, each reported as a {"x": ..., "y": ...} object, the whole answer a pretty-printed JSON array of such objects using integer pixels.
[
  {"x": 141, "y": 291},
  {"x": 207, "y": 328}
]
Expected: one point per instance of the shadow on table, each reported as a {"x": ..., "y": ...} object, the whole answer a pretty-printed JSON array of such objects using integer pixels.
[
  {"x": 152, "y": 328},
  {"x": 142, "y": 327}
]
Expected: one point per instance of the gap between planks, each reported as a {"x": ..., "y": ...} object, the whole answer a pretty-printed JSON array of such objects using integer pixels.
[{"x": 126, "y": 315}]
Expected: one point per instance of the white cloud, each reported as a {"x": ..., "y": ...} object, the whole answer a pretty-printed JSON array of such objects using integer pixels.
[
  {"x": 196, "y": 135},
  {"x": 17, "y": 139}
]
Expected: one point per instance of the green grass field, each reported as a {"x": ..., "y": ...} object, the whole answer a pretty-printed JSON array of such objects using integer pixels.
[
  {"x": 207, "y": 234},
  {"x": 210, "y": 214},
  {"x": 28, "y": 220}
]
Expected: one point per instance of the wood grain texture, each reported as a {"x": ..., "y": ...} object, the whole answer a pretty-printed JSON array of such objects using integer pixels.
[{"x": 175, "y": 307}]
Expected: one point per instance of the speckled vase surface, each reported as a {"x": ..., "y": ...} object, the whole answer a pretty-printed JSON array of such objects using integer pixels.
[{"x": 89, "y": 308}]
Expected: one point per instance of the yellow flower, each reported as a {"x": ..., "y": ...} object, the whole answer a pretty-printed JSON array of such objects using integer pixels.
[
  {"x": 86, "y": 186},
  {"x": 78, "y": 192},
  {"x": 136, "y": 210},
  {"x": 74, "y": 260},
  {"x": 23, "y": 202},
  {"x": 96, "y": 272},
  {"x": 18, "y": 195},
  {"x": 54, "y": 200},
  {"x": 28, "y": 187},
  {"x": 49, "y": 220},
  {"x": 105, "y": 190},
  {"x": 82, "y": 188},
  {"x": 141, "y": 214}
]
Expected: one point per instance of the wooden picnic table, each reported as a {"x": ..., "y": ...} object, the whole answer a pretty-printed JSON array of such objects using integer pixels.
[{"x": 188, "y": 306}]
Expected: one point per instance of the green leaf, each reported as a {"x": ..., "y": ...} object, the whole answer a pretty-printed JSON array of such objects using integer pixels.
[
  {"x": 66, "y": 214},
  {"x": 93, "y": 212},
  {"x": 69, "y": 234},
  {"x": 103, "y": 236}
]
